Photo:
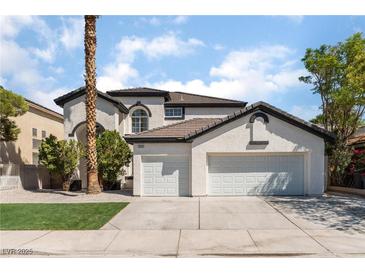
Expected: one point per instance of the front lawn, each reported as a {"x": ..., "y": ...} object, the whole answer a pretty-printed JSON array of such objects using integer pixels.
[{"x": 57, "y": 216}]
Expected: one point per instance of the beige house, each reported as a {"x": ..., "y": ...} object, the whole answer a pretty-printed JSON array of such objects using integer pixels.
[
  {"x": 19, "y": 159},
  {"x": 192, "y": 145}
]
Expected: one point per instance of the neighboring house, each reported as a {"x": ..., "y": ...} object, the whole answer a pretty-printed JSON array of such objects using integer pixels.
[
  {"x": 19, "y": 159},
  {"x": 193, "y": 145},
  {"x": 358, "y": 139}
]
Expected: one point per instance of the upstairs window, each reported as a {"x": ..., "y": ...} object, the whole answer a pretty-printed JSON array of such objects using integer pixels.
[
  {"x": 139, "y": 121},
  {"x": 34, "y": 132},
  {"x": 44, "y": 134},
  {"x": 175, "y": 112}
]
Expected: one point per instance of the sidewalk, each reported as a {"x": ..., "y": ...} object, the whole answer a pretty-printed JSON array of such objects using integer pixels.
[{"x": 183, "y": 243}]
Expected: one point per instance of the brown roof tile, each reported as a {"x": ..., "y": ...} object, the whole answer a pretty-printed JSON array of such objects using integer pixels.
[
  {"x": 189, "y": 99},
  {"x": 179, "y": 129}
]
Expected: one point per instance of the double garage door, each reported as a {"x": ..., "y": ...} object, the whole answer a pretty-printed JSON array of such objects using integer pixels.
[
  {"x": 227, "y": 175},
  {"x": 256, "y": 175}
]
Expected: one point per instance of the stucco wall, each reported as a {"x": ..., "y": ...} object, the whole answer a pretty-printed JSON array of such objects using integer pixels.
[
  {"x": 234, "y": 137},
  {"x": 154, "y": 104},
  {"x": 204, "y": 112},
  {"x": 74, "y": 113},
  {"x": 209, "y": 112},
  {"x": 155, "y": 149},
  {"x": 20, "y": 151}
]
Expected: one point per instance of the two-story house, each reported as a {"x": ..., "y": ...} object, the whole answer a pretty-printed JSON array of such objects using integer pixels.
[{"x": 192, "y": 145}]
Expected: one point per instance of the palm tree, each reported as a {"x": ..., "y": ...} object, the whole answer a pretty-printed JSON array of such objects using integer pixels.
[{"x": 93, "y": 186}]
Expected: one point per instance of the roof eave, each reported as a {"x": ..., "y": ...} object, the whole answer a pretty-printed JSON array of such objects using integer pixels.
[
  {"x": 137, "y": 94},
  {"x": 62, "y": 100},
  {"x": 153, "y": 139},
  {"x": 182, "y": 104}
]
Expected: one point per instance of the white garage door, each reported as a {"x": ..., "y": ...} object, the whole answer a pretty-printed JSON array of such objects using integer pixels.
[
  {"x": 256, "y": 175},
  {"x": 165, "y": 176}
]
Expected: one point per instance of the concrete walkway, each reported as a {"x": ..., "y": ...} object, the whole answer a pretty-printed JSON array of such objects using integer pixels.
[{"x": 329, "y": 226}]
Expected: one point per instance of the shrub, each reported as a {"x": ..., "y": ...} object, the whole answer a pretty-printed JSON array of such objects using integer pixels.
[
  {"x": 358, "y": 161},
  {"x": 61, "y": 157},
  {"x": 113, "y": 154}
]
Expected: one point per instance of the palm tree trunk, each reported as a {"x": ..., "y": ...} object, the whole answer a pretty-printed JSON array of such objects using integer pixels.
[{"x": 93, "y": 186}]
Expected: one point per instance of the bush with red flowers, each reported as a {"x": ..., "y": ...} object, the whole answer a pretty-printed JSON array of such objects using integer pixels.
[{"x": 357, "y": 164}]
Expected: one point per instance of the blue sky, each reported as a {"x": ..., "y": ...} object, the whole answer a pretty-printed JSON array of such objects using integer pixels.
[{"x": 248, "y": 58}]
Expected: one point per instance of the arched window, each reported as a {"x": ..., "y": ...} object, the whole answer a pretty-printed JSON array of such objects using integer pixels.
[{"x": 139, "y": 121}]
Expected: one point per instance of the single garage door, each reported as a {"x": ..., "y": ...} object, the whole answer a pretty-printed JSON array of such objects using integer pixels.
[
  {"x": 165, "y": 176},
  {"x": 256, "y": 175}
]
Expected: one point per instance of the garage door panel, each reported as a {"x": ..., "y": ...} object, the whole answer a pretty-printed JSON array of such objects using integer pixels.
[
  {"x": 165, "y": 176},
  {"x": 256, "y": 175}
]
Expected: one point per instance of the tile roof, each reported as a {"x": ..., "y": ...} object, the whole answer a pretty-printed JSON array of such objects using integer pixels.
[
  {"x": 177, "y": 98},
  {"x": 139, "y": 91},
  {"x": 178, "y": 130},
  {"x": 187, "y": 99},
  {"x": 190, "y": 129}
]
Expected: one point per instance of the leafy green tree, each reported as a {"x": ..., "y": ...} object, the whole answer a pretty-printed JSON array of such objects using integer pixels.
[
  {"x": 11, "y": 105},
  {"x": 318, "y": 120},
  {"x": 61, "y": 157},
  {"x": 113, "y": 154},
  {"x": 337, "y": 74}
]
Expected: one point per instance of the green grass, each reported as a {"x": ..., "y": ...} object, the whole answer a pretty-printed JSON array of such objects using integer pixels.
[{"x": 80, "y": 216}]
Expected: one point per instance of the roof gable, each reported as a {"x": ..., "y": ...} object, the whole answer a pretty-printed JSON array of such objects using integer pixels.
[{"x": 81, "y": 91}]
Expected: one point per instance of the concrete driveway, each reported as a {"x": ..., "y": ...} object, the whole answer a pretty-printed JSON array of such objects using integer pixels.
[
  {"x": 329, "y": 226},
  {"x": 343, "y": 213},
  {"x": 200, "y": 213}
]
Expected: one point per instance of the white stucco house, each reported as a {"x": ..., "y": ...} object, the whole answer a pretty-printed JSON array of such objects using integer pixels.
[{"x": 192, "y": 145}]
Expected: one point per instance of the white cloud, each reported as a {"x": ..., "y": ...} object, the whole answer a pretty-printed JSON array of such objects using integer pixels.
[
  {"x": 148, "y": 20},
  {"x": 17, "y": 66},
  {"x": 20, "y": 71},
  {"x": 305, "y": 112},
  {"x": 47, "y": 54},
  {"x": 164, "y": 45},
  {"x": 297, "y": 19},
  {"x": 218, "y": 47},
  {"x": 249, "y": 75},
  {"x": 160, "y": 20},
  {"x": 3, "y": 81},
  {"x": 46, "y": 98},
  {"x": 118, "y": 73},
  {"x": 115, "y": 76},
  {"x": 181, "y": 19},
  {"x": 240, "y": 64},
  {"x": 11, "y": 26},
  {"x": 72, "y": 33},
  {"x": 57, "y": 70},
  {"x": 20, "y": 68}
]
